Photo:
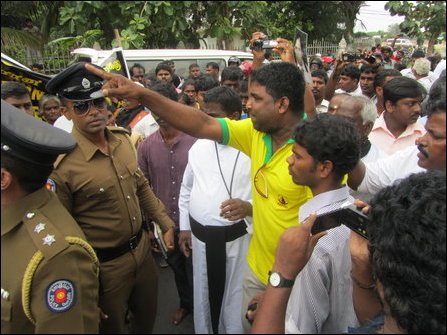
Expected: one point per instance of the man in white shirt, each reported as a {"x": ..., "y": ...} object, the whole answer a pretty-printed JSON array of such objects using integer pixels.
[
  {"x": 428, "y": 153},
  {"x": 361, "y": 111},
  {"x": 326, "y": 148},
  {"x": 349, "y": 81},
  {"x": 215, "y": 205},
  {"x": 409, "y": 72},
  {"x": 319, "y": 81}
]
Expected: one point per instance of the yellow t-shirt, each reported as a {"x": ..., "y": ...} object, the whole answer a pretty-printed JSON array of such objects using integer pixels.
[{"x": 279, "y": 210}]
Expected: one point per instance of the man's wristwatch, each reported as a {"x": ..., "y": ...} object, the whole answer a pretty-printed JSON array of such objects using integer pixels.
[{"x": 276, "y": 280}]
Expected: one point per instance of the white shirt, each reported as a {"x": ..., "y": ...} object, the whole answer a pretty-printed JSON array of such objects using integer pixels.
[
  {"x": 374, "y": 154},
  {"x": 409, "y": 73},
  {"x": 322, "y": 107},
  {"x": 63, "y": 123},
  {"x": 146, "y": 126},
  {"x": 386, "y": 171},
  {"x": 425, "y": 81},
  {"x": 357, "y": 91},
  {"x": 439, "y": 68},
  {"x": 321, "y": 298}
]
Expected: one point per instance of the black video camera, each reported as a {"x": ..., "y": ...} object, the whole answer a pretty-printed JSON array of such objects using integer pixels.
[
  {"x": 350, "y": 216},
  {"x": 260, "y": 44}
]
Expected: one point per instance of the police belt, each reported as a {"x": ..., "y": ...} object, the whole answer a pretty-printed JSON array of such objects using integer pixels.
[
  {"x": 107, "y": 254},
  {"x": 215, "y": 238}
]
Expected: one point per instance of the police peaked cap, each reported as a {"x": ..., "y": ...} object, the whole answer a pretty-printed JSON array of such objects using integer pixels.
[
  {"x": 30, "y": 139},
  {"x": 76, "y": 84}
]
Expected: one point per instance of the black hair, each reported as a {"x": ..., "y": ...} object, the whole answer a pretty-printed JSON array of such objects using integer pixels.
[
  {"x": 385, "y": 48},
  {"x": 38, "y": 66},
  {"x": 13, "y": 89},
  {"x": 320, "y": 74},
  {"x": 30, "y": 177},
  {"x": 402, "y": 87},
  {"x": 400, "y": 66},
  {"x": 165, "y": 89},
  {"x": 168, "y": 62},
  {"x": 351, "y": 71},
  {"x": 189, "y": 82},
  {"x": 186, "y": 98},
  {"x": 231, "y": 73},
  {"x": 418, "y": 54},
  {"x": 243, "y": 85},
  {"x": 163, "y": 66},
  {"x": 330, "y": 137},
  {"x": 226, "y": 97},
  {"x": 437, "y": 97},
  {"x": 214, "y": 65},
  {"x": 379, "y": 80},
  {"x": 407, "y": 249},
  {"x": 317, "y": 60},
  {"x": 205, "y": 82},
  {"x": 136, "y": 66},
  {"x": 193, "y": 65},
  {"x": 368, "y": 69},
  {"x": 282, "y": 80}
]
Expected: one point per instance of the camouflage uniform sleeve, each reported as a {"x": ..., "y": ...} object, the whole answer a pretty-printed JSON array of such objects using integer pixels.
[
  {"x": 64, "y": 294},
  {"x": 150, "y": 204}
]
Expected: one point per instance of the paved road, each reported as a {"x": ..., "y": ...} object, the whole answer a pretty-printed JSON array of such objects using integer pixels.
[{"x": 168, "y": 301}]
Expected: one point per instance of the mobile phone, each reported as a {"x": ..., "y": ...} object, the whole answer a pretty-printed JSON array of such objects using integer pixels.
[{"x": 350, "y": 216}]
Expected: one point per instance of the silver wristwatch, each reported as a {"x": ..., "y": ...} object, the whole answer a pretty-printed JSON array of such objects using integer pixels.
[{"x": 277, "y": 280}]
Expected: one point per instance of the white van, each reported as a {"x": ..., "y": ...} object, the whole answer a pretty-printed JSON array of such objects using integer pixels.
[
  {"x": 150, "y": 58},
  {"x": 402, "y": 42}
]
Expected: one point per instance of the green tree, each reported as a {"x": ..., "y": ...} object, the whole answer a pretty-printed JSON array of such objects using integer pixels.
[
  {"x": 329, "y": 20},
  {"x": 423, "y": 19}
]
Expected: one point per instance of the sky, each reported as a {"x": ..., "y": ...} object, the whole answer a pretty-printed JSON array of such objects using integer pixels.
[{"x": 375, "y": 17}]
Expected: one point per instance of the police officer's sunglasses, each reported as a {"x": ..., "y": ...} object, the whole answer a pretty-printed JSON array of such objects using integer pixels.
[{"x": 81, "y": 108}]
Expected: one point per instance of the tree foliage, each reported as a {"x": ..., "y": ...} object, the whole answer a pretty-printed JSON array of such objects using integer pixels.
[
  {"x": 164, "y": 24},
  {"x": 423, "y": 19}
]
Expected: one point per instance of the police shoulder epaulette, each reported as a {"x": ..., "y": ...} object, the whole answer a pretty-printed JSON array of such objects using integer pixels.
[
  {"x": 49, "y": 243},
  {"x": 59, "y": 160},
  {"x": 118, "y": 130},
  {"x": 45, "y": 235}
]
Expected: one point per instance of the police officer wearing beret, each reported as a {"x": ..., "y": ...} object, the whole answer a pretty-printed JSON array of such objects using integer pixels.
[
  {"x": 49, "y": 271},
  {"x": 100, "y": 184}
]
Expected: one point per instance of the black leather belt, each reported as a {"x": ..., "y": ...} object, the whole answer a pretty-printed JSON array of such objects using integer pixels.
[
  {"x": 215, "y": 238},
  {"x": 107, "y": 254}
]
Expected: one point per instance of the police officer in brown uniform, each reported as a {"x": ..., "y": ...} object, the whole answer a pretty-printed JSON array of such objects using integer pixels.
[
  {"x": 100, "y": 184},
  {"x": 49, "y": 271}
]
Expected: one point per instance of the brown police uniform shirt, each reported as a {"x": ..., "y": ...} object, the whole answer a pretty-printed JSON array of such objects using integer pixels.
[
  {"x": 48, "y": 269},
  {"x": 104, "y": 193}
]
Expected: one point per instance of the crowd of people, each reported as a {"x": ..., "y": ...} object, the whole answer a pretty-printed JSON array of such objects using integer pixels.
[{"x": 235, "y": 166}]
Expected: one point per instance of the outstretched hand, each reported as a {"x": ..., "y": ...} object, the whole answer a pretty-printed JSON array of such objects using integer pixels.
[{"x": 117, "y": 86}]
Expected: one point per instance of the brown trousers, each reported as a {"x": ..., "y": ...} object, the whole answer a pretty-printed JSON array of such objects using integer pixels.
[{"x": 129, "y": 283}]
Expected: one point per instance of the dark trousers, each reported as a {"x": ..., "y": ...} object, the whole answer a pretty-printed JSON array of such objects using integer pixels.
[{"x": 182, "y": 267}]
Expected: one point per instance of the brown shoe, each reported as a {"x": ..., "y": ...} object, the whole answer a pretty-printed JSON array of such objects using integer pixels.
[{"x": 179, "y": 315}]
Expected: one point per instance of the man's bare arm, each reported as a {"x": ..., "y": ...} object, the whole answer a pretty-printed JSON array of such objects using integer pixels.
[{"x": 187, "y": 119}]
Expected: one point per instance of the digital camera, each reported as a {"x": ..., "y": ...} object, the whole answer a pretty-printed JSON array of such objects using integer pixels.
[{"x": 264, "y": 44}]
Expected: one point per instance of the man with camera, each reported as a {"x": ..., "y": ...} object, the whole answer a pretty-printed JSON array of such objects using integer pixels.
[{"x": 326, "y": 148}]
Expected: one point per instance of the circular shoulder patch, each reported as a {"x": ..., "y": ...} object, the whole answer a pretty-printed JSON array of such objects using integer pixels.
[
  {"x": 51, "y": 185},
  {"x": 60, "y": 296}
]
